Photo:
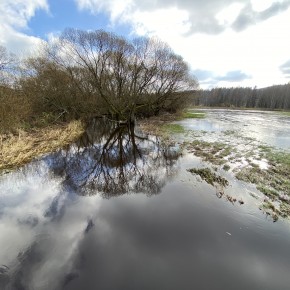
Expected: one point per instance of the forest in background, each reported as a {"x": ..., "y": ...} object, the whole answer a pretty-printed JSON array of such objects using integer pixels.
[{"x": 275, "y": 97}]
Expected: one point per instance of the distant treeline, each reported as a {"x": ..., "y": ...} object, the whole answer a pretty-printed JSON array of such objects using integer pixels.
[{"x": 274, "y": 97}]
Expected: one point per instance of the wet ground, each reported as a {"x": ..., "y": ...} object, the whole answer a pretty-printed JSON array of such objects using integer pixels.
[
  {"x": 120, "y": 210},
  {"x": 268, "y": 127}
]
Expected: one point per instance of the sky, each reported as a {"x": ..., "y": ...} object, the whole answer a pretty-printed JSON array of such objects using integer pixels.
[{"x": 227, "y": 43}]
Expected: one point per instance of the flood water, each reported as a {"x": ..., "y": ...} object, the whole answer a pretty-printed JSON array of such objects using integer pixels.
[
  {"x": 119, "y": 210},
  {"x": 271, "y": 128}
]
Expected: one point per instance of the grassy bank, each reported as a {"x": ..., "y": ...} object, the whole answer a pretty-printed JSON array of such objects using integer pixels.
[
  {"x": 23, "y": 145},
  {"x": 162, "y": 125},
  {"x": 18, "y": 149}
]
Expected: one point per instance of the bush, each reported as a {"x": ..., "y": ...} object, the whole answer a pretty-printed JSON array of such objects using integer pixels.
[{"x": 14, "y": 109}]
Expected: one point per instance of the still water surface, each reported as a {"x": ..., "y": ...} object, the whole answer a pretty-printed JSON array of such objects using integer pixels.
[
  {"x": 271, "y": 128},
  {"x": 118, "y": 210}
]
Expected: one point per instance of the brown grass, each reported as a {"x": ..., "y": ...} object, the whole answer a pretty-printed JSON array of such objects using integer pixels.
[{"x": 16, "y": 150}]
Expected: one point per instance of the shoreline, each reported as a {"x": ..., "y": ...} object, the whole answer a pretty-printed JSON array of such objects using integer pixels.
[{"x": 18, "y": 150}]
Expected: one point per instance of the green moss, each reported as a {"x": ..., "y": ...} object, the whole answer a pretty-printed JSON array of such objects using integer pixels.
[{"x": 210, "y": 177}]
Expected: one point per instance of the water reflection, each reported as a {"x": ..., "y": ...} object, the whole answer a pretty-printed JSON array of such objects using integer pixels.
[
  {"x": 52, "y": 237},
  {"x": 112, "y": 160},
  {"x": 42, "y": 218}
]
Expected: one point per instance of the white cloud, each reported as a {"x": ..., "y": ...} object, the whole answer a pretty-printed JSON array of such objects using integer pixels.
[
  {"x": 166, "y": 22},
  {"x": 227, "y": 16},
  {"x": 14, "y": 17},
  {"x": 220, "y": 36},
  {"x": 115, "y": 8}
]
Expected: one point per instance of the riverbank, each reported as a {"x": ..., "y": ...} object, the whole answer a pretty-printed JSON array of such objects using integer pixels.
[
  {"x": 162, "y": 125},
  {"x": 19, "y": 149},
  {"x": 22, "y": 146}
]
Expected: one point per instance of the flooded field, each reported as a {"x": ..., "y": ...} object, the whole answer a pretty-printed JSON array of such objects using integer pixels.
[
  {"x": 270, "y": 128},
  {"x": 124, "y": 210}
]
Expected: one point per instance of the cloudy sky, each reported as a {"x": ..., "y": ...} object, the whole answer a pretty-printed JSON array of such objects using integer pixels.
[{"x": 226, "y": 42}]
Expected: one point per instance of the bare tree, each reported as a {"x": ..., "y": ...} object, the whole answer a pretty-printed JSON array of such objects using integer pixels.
[
  {"x": 7, "y": 65},
  {"x": 6, "y": 58},
  {"x": 128, "y": 77}
]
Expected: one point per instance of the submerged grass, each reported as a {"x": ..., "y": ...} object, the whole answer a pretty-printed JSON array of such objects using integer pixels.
[
  {"x": 215, "y": 153},
  {"x": 209, "y": 176},
  {"x": 17, "y": 150},
  {"x": 272, "y": 180}
]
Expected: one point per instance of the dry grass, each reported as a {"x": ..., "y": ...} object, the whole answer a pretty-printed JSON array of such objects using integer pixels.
[{"x": 16, "y": 150}]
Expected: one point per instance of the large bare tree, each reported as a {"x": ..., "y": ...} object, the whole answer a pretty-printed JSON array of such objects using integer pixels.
[{"x": 127, "y": 76}]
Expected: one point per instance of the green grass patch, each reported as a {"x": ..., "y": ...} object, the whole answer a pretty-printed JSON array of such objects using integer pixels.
[
  {"x": 280, "y": 157},
  {"x": 268, "y": 205},
  {"x": 286, "y": 113},
  {"x": 265, "y": 148},
  {"x": 173, "y": 128},
  {"x": 273, "y": 182},
  {"x": 271, "y": 193},
  {"x": 285, "y": 210},
  {"x": 193, "y": 115}
]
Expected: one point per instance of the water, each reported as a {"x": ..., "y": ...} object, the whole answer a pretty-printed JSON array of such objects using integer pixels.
[
  {"x": 119, "y": 210},
  {"x": 271, "y": 128}
]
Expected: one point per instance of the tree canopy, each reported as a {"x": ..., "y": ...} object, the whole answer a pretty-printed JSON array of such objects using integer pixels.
[{"x": 128, "y": 77}]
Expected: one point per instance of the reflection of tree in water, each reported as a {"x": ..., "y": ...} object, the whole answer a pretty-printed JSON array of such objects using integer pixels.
[{"x": 112, "y": 160}]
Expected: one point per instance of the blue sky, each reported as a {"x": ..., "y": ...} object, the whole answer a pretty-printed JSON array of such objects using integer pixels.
[
  {"x": 226, "y": 42},
  {"x": 65, "y": 13}
]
